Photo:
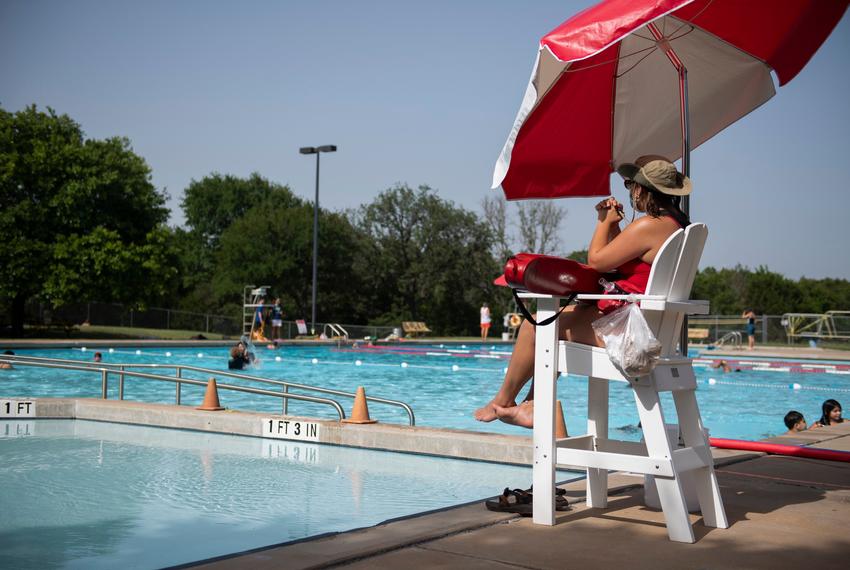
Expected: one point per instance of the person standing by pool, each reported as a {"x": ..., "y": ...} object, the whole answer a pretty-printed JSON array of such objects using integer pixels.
[
  {"x": 652, "y": 182},
  {"x": 831, "y": 414},
  {"x": 751, "y": 328},
  {"x": 277, "y": 319},
  {"x": 485, "y": 321}
]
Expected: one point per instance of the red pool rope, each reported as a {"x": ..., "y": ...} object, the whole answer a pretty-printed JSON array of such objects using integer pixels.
[{"x": 781, "y": 449}]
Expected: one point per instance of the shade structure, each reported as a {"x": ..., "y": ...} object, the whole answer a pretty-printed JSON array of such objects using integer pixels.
[{"x": 603, "y": 90}]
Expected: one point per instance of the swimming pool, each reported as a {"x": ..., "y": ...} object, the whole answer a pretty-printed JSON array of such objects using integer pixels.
[
  {"x": 443, "y": 384},
  {"x": 82, "y": 494}
]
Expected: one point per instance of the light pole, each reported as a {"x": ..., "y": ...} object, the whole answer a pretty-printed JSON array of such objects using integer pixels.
[{"x": 317, "y": 150}]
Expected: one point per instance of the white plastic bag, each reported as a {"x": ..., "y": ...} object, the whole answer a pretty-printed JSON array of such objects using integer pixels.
[{"x": 630, "y": 345}]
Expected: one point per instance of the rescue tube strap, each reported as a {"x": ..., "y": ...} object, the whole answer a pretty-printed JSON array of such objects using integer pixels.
[{"x": 544, "y": 322}]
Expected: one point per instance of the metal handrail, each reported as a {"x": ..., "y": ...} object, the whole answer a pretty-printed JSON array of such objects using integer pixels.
[
  {"x": 105, "y": 371},
  {"x": 179, "y": 371},
  {"x": 337, "y": 331}
]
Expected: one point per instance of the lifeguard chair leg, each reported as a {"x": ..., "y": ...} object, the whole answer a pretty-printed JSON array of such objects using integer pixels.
[
  {"x": 705, "y": 479},
  {"x": 670, "y": 491},
  {"x": 545, "y": 375},
  {"x": 597, "y": 426}
]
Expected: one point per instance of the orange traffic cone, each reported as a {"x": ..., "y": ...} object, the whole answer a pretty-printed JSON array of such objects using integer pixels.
[
  {"x": 360, "y": 411},
  {"x": 211, "y": 398},
  {"x": 560, "y": 424}
]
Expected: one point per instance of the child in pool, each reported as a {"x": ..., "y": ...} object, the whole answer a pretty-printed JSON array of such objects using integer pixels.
[
  {"x": 795, "y": 422},
  {"x": 831, "y": 414}
]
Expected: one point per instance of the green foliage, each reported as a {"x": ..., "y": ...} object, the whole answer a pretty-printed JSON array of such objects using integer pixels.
[
  {"x": 425, "y": 259},
  {"x": 272, "y": 244},
  {"x": 579, "y": 255},
  {"x": 79, "y": 219},
  {"x": 212, "y": 204},
  {"x": 100, "y": 265},
  {"x": 730, "y": 291}
]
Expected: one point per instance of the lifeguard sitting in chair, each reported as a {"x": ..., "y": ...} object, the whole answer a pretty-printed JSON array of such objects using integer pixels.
[
  {"x": 652, "y": 183},
  {"x": 651, "y": 255}
]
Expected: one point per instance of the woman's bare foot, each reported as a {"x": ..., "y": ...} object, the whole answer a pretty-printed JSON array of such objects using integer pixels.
[
  {"x": 487, "y": 412},
  {"x": 522, "y": 415}
]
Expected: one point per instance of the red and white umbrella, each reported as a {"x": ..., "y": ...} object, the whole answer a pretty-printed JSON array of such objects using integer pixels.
[{"x": 631, "y": 77}]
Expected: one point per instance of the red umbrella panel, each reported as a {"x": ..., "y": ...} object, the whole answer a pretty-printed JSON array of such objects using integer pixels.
[{"x": 631, "y": 77}]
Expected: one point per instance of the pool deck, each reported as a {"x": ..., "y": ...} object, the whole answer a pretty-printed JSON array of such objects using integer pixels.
[
  {"x": 783, "y": 512},
  {"x": 787, "y": 352}
]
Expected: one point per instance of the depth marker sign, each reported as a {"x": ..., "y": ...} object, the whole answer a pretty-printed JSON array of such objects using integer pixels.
[
  {"x": 17, "y": 408},
  {"x": 298, "y": 430}
]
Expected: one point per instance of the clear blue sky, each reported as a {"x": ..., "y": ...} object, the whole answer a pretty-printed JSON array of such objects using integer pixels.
[{"x": 421, "y": 93}]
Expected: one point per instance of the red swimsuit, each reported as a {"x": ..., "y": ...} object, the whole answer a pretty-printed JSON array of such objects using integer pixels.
[{"x": 633, "y": 277}]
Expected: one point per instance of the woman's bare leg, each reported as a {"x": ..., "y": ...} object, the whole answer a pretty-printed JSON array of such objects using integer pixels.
[
  {"x": 519, "y": 372},
  {"x": 575, "y": 325}
]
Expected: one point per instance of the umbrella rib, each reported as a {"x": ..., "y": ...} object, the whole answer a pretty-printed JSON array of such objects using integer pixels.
[
  {"x": 649, "y": 53},
  {"x": 613, "y": 60}
]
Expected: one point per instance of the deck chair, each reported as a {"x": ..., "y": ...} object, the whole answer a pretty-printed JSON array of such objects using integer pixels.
[
  {"x": 413, "y": 328},
  {"x": 663, "y": 305}
]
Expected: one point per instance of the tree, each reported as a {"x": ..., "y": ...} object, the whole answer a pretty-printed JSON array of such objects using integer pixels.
[
  {"x": 579, "y": 255},
  {"x": 213, "y": 203},
  {"x": 770, "y": 293},
  {"x": 496, "y": 218},
  {"x": 67, "y": 203},
  {"x": 101, "y": 265},
  {"x": 538, "y": 225},
  {"x": 821, "y": 295},
  {"x": 272, "y": 244},
  {"x": 425, "y": 259},
  {"x": 211, "y": 206}
]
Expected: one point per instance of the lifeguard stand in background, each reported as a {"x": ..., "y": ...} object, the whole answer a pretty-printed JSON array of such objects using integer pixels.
[{"x": 250, "y": 301}]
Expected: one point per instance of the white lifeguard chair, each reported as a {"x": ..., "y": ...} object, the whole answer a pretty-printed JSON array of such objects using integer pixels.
[{"x": 663, "y": 305}]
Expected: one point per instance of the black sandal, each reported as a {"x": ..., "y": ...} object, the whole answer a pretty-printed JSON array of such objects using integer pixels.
[
  {"x": 511, "y": 501},
  {"x": 520, "y": 502}
]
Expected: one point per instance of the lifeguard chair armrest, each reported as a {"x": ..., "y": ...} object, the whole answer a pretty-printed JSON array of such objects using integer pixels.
[
  {"x": 526, "y": 295},
  {"x": 655, "y": 303}
]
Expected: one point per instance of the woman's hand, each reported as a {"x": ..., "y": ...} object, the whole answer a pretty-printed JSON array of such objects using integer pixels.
[{"x": 609, "y": 211}]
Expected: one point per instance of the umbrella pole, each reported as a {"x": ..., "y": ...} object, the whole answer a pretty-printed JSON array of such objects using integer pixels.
[
  {"x": 684, "y": 121},
  {"x": 685, "y": 203}
]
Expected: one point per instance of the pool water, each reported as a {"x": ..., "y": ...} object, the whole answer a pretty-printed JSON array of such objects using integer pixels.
[
  {"x": 81, "y": 494},
  {"x": 443, "y": 384}
]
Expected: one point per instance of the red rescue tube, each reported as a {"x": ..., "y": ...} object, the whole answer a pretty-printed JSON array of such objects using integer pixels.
[
  {"x": 781, "y": 449},
  {"x": 551, "y": 275}
]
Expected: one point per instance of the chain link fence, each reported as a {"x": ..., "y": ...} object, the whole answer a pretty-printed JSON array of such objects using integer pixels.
[
  {"x": 770, "y": 329},
  {"x": 118, "y": 315},
  {"x": 74, "y": 315}
]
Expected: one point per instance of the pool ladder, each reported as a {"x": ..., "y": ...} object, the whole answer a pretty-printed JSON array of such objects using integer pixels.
[
  {"x": 125, "y": 370},
  {"x": 734, "y": 338}
]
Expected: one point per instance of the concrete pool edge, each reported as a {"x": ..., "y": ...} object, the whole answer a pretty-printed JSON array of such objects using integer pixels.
[{"x": 451, "y": 443}]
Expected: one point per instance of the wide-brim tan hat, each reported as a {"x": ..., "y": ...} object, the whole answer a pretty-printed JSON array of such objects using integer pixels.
[{"x": 658, "y": 174}]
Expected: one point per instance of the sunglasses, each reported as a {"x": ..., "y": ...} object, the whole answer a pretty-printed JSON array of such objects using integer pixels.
[{"x": 628, "y": 184}]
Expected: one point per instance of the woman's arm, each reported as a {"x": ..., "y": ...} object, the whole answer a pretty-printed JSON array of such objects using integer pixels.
[{"x": 606, "y": 252}]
